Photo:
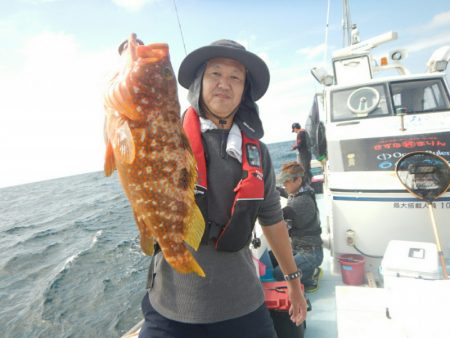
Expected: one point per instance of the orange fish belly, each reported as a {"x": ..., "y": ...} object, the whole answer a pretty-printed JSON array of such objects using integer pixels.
[{"x": 156, "y": 167}]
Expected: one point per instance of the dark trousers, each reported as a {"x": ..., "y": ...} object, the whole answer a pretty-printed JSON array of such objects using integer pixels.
[
  {"x": 307, "y": 260},
  {"x": 304, "y": 158},
  {"x": 257, "y": 324}
]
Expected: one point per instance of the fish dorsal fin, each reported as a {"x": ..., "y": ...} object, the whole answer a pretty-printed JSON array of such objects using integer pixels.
[
  {"x": 191, "y": 164},
  {"x": 196, "y": 228},
  {"x": 196, "y": 222}
]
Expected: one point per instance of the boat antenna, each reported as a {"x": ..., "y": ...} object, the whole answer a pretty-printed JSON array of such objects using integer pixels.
[
  {"x": 325, "y": 56},
  {"x": 346, "y": 24},
  {"x": 179, "y": 25}
]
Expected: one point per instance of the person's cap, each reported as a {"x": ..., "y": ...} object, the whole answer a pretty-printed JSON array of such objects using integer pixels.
[
  {"x": 284, "y": 176},
  {"x": 296, "y": 125},
  {"x": 256, "y": 68}
]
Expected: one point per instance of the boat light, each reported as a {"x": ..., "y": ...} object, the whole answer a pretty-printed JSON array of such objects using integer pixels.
[
  {"x": 384, "y": 61},
  {"x": 439, "y": 60},
  {"x": 398, "y": 54},
  {"x": 441, "y": 65},
  {"x": 322, "y": 76}
]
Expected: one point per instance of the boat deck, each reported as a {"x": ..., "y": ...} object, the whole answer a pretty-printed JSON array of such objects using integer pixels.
[
  {"x": 321, "y": 321},
  {"x": 417, "y": 308},
  {"x": 343, "y": 311}
]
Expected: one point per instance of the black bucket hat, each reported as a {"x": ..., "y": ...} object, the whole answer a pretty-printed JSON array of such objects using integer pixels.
[{"x": 258, "y": 72}]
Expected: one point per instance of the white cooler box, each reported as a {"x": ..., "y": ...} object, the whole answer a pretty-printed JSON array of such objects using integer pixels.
[
  {"x": 410, "y": 259},
  {"x": 414, "y": 293}
]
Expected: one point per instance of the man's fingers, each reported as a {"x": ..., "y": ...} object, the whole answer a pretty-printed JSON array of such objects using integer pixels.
[
  {"x": 296, "y": 315},
  {"x": 297, "y": 320}
]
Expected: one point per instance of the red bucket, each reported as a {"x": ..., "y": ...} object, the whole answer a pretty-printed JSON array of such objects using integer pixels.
[{"x": 352, "y": 269}]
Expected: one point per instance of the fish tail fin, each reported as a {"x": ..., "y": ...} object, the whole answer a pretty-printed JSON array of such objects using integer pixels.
[
  {"x": 110, "y": 164},
  {"x": 195, "y": 267},
  {"x": 187, "y": 265},
  {"x": 196, "y": 228}
]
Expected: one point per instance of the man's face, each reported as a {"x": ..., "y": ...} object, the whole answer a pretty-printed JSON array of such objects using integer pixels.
[{"x": 223, "y": 85}]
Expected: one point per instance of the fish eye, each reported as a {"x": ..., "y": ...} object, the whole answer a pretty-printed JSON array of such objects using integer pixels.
[{"x": 167, "y": 72}]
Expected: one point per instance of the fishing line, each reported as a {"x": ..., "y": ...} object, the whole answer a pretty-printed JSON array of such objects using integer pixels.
[
  {"x": 326, "y": 34},
  {"x": 179, "y": 25}
]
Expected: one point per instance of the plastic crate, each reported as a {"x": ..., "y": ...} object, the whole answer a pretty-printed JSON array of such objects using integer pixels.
[
  {"x": 277, "y": 301},
  {"x": 276, "y": 296}
]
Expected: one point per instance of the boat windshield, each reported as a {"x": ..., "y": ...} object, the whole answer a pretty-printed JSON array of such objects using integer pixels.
[
  {"x": 420, "y": 96},
  {"x": 386, "y": 99},
  {"x": 359, "y": 102}
]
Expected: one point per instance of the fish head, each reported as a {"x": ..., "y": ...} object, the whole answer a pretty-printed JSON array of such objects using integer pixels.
[
  {"x": 145, "y": 83},
  {"x": 152, "y": 79}
]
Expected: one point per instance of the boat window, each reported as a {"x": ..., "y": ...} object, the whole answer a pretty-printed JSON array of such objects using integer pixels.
[
  {"x": 419, "y": 96},
  {"x": 359, "y": 102}
]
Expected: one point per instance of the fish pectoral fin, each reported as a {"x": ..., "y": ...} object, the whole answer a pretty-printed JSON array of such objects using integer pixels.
[
  {"x": 195, "y": 229},
  {"x": 110, "y": 164},
  {"x": 123, "y": 142}
]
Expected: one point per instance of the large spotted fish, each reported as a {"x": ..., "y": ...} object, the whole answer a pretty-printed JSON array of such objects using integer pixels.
[{"x": 146, "y": 143}]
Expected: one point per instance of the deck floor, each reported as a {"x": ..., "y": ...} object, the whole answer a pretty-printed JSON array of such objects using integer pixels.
[
  {"x": 321, "y": 321},
  {"x": 344, "y": 311}
]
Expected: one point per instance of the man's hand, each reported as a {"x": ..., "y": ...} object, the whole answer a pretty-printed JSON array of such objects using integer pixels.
[
  {"x": 299, "y": 307},
  {"x": 278, "y": 239}
]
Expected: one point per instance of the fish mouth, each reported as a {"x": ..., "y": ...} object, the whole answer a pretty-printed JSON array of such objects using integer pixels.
[{"x": 153, "y": 52}]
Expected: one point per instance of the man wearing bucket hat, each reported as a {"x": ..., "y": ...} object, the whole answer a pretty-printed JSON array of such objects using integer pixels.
[{"x": 236, "y": 186}]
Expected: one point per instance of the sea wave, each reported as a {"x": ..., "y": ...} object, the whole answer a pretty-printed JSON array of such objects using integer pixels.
[
  {"x": 19, "y": 229},
  {"x": 64, "y": 268},
  {"x": 71, "y": 263}
]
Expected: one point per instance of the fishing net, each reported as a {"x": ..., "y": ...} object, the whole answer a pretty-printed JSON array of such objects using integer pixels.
[{"x": 424, "y": 174}]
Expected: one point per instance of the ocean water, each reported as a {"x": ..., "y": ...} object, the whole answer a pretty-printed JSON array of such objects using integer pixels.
[{"x": 70, "y": 261}]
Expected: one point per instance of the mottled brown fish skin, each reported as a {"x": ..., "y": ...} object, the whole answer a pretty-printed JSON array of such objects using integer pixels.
[{"x": 159, "y": 181}]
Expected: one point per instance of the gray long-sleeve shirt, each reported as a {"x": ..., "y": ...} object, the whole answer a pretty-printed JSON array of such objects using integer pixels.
[{"x": 231, "y": 287}]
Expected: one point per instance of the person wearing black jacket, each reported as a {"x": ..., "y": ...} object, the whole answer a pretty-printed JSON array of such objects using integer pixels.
[
  {"x": 303, "y": 146},
  {"x": 303, "y": 219}
]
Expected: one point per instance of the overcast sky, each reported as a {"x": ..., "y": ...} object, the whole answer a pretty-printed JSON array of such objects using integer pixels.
[{"x": 57, "y": 55}]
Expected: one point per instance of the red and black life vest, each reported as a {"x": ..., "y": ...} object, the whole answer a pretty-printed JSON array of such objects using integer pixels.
[{"x": 237, "y": 232}]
